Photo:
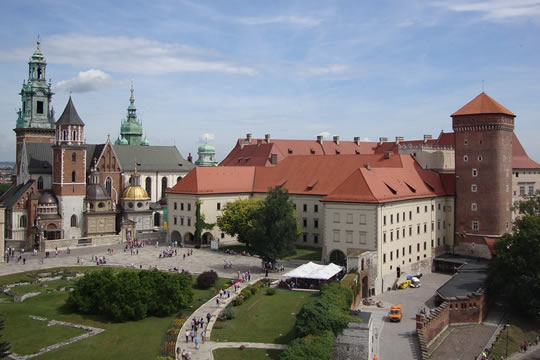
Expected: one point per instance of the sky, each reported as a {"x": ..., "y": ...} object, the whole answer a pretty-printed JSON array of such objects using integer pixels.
[{"x": 216, "y": 70}]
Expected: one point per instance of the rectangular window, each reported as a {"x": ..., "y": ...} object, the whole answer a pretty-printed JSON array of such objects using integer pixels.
[
  {"x": 531, "y": 189},
  {"x": 39, "y": 107},
  {"x": 431, "y": 242},
  {"x": 189, "y": 207},
  {"x": 304, "y": 222},
  {"x": 474, "y": 188},
  {"x": 336, "y": 217},
  {"x": 175, "y": 206},
  {"x": 418, "y": 209},
  {"x": 391, "y": 255},
  {"x": 425, "y": 245},
  {"x": 410, "y": 249},
  {"x": 174, "y": 220},
  {"x": 316, "y": 208},
  {"x": 348, "y": 236},
  {"x": 410, "y": 215},
  {"x": 182, "y": 206},
  {"x": 384, "y": 258},
  {"x": 392, "y": 219},
  {"x": 522, "y": 190},
  {"x": 384, "y": 237},
  {"x": 315, "y": 239},
  {"x": 474, "y": 172},
  {"x": 425, "y": 209},
  {"x": 438, "y": 224},
  {"x": 182, "y": 221},
  {"x": 363, "y": 237},
  {"x": 418, "y": 229},
  {"x": 188, "y": 221},
  {"x": 410, "y": 230},
  {"x": 305, "y": 207},
  {"x": 418, "y": 247},
  {"x": 425, "y": 228},
  {"x": 336, "y": 235},
  {"x": 432, "y": 226},
  {"x": 474, "y": 207},
  {"x": 397, "y": 234},
  {"x": 223, "y": 235},
  {"x": 362, "y": 219},
  {"x": 403, "y": 230},
  {"x": 316, "y": 223},
  {"x": 384, "y": 218},
  {"x": 392, "y": 235},
  {"x": 439, "y": 206},
  {"x": 304, "y": 237},
  {"x": 397, "y": 217},
  {"x": 218, "y": 206},
  {"x": 349, "y": 219},
  {"x": 397, "y": 254},
  {"x": 475, "y": 225}
]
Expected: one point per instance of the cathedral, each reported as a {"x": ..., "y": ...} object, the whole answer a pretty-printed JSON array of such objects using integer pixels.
[{"x": 70, "y": 193}]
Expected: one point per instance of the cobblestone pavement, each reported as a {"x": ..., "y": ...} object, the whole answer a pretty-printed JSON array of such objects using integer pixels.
[
  {"x": 201, "y": 260},
  {"x": 464, "y": 342}
]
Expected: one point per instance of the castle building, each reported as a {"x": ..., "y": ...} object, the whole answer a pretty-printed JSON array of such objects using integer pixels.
[
  {"x": 207, "y": 156},
  {"x": 70, "y": 193}
]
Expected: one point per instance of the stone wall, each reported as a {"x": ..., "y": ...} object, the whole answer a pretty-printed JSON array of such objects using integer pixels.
[
  {"x": 355, "y": 341},
  {"x": 51, "y": 245},
  {"x": 429, "y": 326}
]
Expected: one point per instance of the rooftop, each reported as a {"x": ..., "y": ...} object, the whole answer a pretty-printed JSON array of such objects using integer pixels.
[{"x": 483, "y": 104}]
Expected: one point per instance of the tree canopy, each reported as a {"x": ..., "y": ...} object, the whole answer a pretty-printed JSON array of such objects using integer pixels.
[
  {"x": 275, "y": 227},
  {"x": 4, "y": 345},
  {"x": 200, "y": 224},
  {"x": 238, "y": 217},
  {"x": 515, "y": 269}
]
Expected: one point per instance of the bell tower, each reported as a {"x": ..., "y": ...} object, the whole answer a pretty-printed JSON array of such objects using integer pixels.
[
  {"x": 483, "y": 135},
  {"x": 35, "y": 118},
  {"x": 69, "y": 169}
]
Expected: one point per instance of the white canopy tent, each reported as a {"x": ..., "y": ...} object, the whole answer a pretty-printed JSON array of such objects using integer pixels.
[{"x": 314, "y": 271}]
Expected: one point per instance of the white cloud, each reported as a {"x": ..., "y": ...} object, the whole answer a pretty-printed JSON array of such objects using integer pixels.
[
  {"x": 329, "y": 69},
  {"x": 204, "y": 138},
  {"x": 324, "y": 134},
  {"x": 86, "y": 81},
  {"x": 129, "y": 55},
  {"x": 292, "y": 20},
  {"x": 495, "y": 9}
]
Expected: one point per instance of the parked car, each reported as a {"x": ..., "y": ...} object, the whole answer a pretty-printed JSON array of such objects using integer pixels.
[{"x": 405, "y": 284}]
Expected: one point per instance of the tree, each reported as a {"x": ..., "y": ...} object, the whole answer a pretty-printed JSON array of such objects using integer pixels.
[
  {"x": 275, "y": 228},
  {"x": 515, "y": 269},
  {"x": 4, "y": 345},
  {"x": 310, "y": 348},
  {"x": 530, "y": 206},
  {"x": 237, "y": 218},
  {"x": 200, "y": 224}
]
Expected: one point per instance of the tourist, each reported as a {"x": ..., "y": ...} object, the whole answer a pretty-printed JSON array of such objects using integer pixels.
[
  {"x": 192, "y": 334},
  {"x": 197, "y": 342},
  {"x": 217, "y": 302},
  {"x": 208, "y": 317},
  {"x": 203, "y": 335},
  {"x": 187, "y": 335},
  {"x": 178, "y": 352}
]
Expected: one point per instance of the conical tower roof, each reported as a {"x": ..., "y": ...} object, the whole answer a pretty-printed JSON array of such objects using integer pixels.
[
  {"x": 70, "y": 116},
  {"x": 483, "y": 104}
]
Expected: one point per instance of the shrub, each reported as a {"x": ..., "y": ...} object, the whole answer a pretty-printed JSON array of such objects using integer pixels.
[
  {"x": 246, "y": 293},
  {"x": 207, "y": 279},
  {"x": 270, "y": 291},
  {"x": 253, "y": 290},
  {"x": 310, "y": 348},
  {"x": 227, "y": 314},
  {"x": 237, "y": 301}
]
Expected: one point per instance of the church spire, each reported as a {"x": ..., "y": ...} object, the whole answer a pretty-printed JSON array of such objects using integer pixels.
[{"x": 131, "y": 129}]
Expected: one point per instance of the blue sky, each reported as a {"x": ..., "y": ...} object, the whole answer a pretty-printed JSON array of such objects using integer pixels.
[{"x": 294, "y": 69}]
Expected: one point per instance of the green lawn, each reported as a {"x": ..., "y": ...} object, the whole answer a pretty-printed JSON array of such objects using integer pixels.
[
  {"x": 246, "y": 354},
  {"x": 305, "y": 253},
  {"x": 130, "y": 340},
  {"x": 520, "y": 329},
  {"x": 263, "y": 318}
]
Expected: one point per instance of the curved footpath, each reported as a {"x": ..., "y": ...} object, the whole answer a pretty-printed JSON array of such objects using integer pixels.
[{"x": 205, "y": 350}]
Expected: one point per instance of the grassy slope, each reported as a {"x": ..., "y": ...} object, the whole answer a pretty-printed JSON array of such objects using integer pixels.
[
  {"x": 246, "y": 354},
  {"x": 520, "y": 329},
  {"x": 263, "y": 318}
]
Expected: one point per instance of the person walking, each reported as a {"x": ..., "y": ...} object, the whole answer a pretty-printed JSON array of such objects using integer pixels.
[
  {"x": 203, "y": 336},
  {"x": 196, "y": 342},
  {"x": 187, "y": 335}
]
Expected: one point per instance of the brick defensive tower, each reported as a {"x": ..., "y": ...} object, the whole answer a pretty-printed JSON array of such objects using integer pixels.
[{"x": 483, "y": 132}]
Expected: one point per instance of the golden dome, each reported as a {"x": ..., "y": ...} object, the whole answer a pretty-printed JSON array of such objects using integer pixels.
[{"x": 134, "y": 192}]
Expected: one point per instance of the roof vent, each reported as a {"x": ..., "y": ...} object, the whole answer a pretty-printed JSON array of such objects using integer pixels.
[
  {"x": 426, "y": 138},
  {"x": 273, "y": 159},
  {"x": 392, "y": 190},
  {"x": 367, "y": 165},
  {"x": 312, "y": 150},
  {"x": 289, "y": 150},
  {"x": 382, "y": 139},
  {"x": 336, "y": 139},
  {"x": 338, "y": 152},
  {"x": 357, "y": 152},
  {"x": 267, "y": 137},
  {"x": 398, "y": 139},
  {"x": 387, "y": 155},
  {"x": 248, "y": 138},
  {"x": 320, "y": 139},
  {"x": 357, "y": 140},
  {"x": 259, "y": 142}
]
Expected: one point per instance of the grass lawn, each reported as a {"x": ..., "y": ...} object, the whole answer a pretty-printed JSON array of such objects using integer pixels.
[
  {"x": 520, "y": 329},
  {"x": 130, "y": 340},
  {"x": 305, "y": 253},
  {"x": 246, "y": 354},
  {"x": 263, "y": 318}
]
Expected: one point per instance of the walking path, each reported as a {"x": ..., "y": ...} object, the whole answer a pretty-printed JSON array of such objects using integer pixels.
[{"x": 205, "y": 349}]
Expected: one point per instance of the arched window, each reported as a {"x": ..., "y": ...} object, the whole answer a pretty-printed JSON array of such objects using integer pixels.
[
  {"x": 178, "y": 179},
  {"x": 108, "y": 186},
  {"x": 74, "y": 157},
  {"x": 74, "y": 135},
  {"x": 148, "y": 186},
  {"x": 163, "y": 186},
  {"x": 40, "y": 183},
  {"x": 22, "y": 221},
  {"x": 73, "y": 220},
  {"x": 65, "y": 133},
  {"x": 73, "y": 176}
]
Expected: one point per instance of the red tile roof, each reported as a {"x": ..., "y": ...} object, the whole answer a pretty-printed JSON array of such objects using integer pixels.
[
  {"x": 483, "y": 104},
  {"x": 520, "y": 159},
  {"x": 349, "y": 178}
]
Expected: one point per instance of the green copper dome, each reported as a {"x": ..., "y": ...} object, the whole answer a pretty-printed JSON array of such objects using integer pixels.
[
  {"x": 145, "y": 142},
  {"x": 207, "y": 148}
]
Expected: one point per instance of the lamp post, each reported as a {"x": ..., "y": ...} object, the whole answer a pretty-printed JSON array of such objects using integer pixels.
[{"x": 507, "y": 325}]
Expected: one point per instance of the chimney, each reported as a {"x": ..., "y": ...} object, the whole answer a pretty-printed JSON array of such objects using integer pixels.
[
  {"x": 382, "y": 139},
  {"x": 426, "y": 138},
  {"x": 273, "y": 159},
  {"x": 398, "y": 139},
  {"x": 336, "y": 139},
  {"x": 259, "y": 142},
  {"x": 367, "y": 165},
  {"x": 357, "y": 140},
  {"x": 320, "y": 139},
  {"x": 267, "y": 137},
  {"x": 190, "y": 158},
  {"x": 387, "y": 155},
  {"x": 248, "y": 138}
]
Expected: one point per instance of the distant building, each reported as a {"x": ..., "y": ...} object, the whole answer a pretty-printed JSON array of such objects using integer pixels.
[{"x": 207, "y": 156}]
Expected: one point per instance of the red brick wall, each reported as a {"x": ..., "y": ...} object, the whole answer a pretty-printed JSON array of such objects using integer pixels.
[
  {"x": 63, "y": 166},
  {"x": 471, "y": 310},
  {"x": 433, "y": 323},
  {"x": 486, "y": 141},
  {"x": 108, "y": 167}
]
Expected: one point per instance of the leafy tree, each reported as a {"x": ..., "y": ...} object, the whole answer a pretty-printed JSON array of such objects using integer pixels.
[
  {"x": 200, "y": 224},
  {"x": 275, "y": 228},
  {"x": 207, "y": 279},
  {"x": 530, "y": 206},
  {"x": 4, "y": 345},
  {"x": 515, "y": 269},
  {"x": 310, "y": 348},
  {"x": 237, "y": 218}
]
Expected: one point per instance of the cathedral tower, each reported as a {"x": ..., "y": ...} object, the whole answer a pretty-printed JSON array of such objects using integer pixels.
[
  {"x": 483, "y": 132},
  {"x": 35, "y": 121},
  {"x": 131, "y": 130},
  {"x": 69, "y": 169}
]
